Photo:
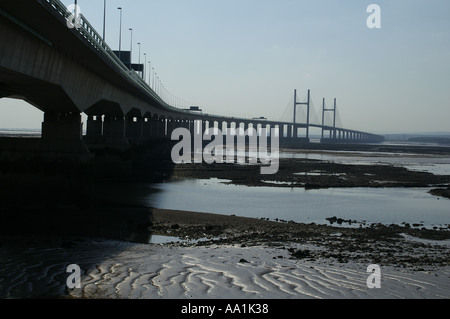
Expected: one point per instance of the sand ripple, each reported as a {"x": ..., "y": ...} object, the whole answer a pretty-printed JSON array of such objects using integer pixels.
[{"x": 113, "y": 269}]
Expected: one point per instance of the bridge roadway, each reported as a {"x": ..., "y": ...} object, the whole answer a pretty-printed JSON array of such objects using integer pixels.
[{"x": 65, "y": 72}]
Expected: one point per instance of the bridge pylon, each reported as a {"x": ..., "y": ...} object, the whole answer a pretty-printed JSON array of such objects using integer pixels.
[
  {"x": 307, "y": 103},
  {"x": 333, "y": 130}
]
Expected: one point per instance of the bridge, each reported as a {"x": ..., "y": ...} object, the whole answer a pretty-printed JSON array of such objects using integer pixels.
[{"x": 65, "y": 72}]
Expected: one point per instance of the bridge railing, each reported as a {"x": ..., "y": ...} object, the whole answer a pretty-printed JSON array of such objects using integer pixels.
[{"x": 91, "y": 36}]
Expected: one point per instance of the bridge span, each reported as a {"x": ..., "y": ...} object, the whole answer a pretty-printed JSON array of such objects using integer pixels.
[{"x": 65, "y": 72}]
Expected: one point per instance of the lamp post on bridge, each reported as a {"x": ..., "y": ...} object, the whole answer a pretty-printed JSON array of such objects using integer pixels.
[
  {"x": 120, "y": 33},
  {"x": 149, "y": 73},
  {"x": 76, "y": 11},
  {"x": 145, "y": 63},
  {"x": 153, "y": 71},
  {"x": 131, "y": 48},
  {"x": 158, "y": 86},
  {"x": 104, "y": 20},
  {"x": 139, "y": 59}
]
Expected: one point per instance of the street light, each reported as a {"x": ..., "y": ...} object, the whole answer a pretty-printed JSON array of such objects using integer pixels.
[
  {"x": 120, "y": 33},
  {"x": 139, "y": 59},
  {"x": 76, "y": 13},
  {"x": 149, "y": 73},
  {"x": 153, "y": 71},
  {"x": 131, "y": 47},
  {"x": 145, "y": 63},
  {"x": 104, "y": 20}
]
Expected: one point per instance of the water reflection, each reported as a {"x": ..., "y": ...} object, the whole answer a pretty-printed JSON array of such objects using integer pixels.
[{"x": 370, "y": 205}]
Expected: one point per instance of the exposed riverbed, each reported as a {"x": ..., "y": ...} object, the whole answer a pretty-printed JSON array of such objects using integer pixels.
[{"x": 224, "y": 230}]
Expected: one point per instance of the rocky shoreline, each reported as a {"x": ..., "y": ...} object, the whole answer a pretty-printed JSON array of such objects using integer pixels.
[
  {"x": 376, "y": 243},
  {"x": 405, "y": 245},
  {"x": 443, "y": 192},
  {"x": 315, "y": 174}
]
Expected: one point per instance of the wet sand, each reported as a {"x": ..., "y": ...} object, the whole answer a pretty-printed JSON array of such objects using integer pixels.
[
  {"x": 224, "y": 256},
  {"x": 376, "y": 243},
  {"x": 244, "y": 258}
]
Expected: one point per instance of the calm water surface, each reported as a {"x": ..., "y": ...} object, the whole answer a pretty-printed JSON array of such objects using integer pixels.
[{"x": 372, "y": 205}]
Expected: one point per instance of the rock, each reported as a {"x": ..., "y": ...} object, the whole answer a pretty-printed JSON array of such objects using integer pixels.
[
  {"x": 300, "y": 254},
  {"x": 242, "y": 260},
  {"x": 332, "y": 220}
]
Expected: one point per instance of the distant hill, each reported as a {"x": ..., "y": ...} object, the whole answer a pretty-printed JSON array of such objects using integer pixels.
[{"x": 430, "y": 139}]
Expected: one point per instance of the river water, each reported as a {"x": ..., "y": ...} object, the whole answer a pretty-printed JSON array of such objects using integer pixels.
[
  {"x": 376, "y": 205},
  {"x": 363, "y": 205},
  {"x": 37, "y": 267}
]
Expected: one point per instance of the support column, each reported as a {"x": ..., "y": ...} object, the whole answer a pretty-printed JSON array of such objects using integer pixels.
[
  {"x": 289, "y": 131},
  {"x": 170, "y": 127},
  {"x": 230, "y": 142},
  {"x": 62, "y": 126},
  {"x": 162, "y": 128},
  {"x": 114, "y": 129},
  {"x": 192, "y": 127},
  {"x": 202, "y": 127},
  {"x": 207, "y": 128},
  {"x": 155, "y": 127},
  {"x": 134, "y": 129},
  {"x": 245, "y": 127},
  {"x": 94, "y": 126},
  {"x": 94, "y": 130},
  {"x": 147, "y": 128},
  {"x": 246, "y": 132},
  {"x": 62, "y": 137}
]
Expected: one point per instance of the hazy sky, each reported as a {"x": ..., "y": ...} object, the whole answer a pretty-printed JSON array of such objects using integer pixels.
[{"x": 246, "y": 57}]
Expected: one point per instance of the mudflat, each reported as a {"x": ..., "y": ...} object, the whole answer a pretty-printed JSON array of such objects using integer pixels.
[
  {"x": 399, "y": 245},
  {"x": 404, "y": 246}
]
